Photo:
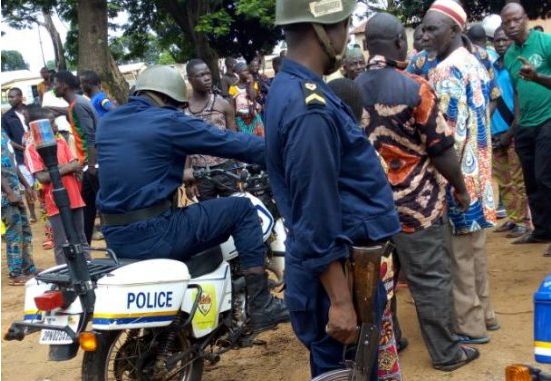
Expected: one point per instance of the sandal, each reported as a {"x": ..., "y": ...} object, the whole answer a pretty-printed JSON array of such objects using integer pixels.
[
  {"x": 530, "y": 238},
  {"x": 464, "y": 339},
  {"x": 517, "y": 232},
  {"x": 492, "y": 324},
  {"x": 18, "y": 280},
  {"x": 509, "y": 225},
  {"x": 468, "y": 354}
]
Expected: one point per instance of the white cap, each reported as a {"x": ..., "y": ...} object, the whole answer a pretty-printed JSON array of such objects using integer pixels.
[{"x": 490, "y": 23}]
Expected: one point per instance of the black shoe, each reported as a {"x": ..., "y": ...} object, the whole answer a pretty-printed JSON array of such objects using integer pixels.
[
  {"x": 265, "y": 310},
  {"x": 468, "y": 354}
]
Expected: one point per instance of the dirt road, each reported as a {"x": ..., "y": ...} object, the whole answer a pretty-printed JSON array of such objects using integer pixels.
[{"x": 515, "y": 271}]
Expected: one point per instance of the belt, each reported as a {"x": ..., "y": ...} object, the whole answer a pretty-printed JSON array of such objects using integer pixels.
[{"x": 136, "y": 215}]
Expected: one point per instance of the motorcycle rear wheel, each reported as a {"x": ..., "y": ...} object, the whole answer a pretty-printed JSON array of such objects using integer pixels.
[{"x": 109, "y": 363}]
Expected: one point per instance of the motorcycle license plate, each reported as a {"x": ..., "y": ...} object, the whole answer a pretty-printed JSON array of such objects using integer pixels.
[{"x": 55, "y": 337}]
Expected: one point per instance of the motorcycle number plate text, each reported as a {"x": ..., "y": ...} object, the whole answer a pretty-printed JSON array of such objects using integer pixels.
[{"x": 55, "y": 337}]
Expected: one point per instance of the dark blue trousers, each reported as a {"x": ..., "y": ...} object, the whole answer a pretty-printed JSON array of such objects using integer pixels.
[
  {"x": 181, "y": 233},
  {"x": 326, "y": 353}
]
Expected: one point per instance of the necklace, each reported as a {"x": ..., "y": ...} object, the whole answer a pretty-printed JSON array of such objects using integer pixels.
[{"x": 202, "y": 109}]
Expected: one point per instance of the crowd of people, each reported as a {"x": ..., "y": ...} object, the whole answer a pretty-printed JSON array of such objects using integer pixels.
[{"x": 409, "y": 150}]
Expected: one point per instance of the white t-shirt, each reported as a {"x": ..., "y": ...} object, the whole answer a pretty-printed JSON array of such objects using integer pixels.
[
  {"x": 49, "y": 99},
  {"x": 22, "y": 119}
]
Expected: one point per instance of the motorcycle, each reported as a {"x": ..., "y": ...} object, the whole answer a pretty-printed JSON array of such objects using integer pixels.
[
  {"x": 157, "y": 319},
  {"x": 251, "y": 182}
]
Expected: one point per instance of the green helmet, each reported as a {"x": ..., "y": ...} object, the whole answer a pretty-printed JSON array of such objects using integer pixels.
[
  {"x": 313, "y": 11},
  {"x": 163, "y": 79}
]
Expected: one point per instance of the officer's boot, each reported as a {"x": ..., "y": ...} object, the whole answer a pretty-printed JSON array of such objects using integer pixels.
[{"x": 265, "y": 310}]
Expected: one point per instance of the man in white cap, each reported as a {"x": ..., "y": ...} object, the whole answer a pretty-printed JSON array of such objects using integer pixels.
[{"x": 462, "y": 86}]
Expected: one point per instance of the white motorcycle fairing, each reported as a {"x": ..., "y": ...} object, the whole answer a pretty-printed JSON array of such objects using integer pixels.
[
  {"x": 266, "y": 219},
  {"x": 147, "y": 293},
  {"x": 216, "y": 297}
]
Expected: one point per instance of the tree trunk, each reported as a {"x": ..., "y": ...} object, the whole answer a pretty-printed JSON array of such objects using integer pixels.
[
  {"x": 59, "y": 52},
  {"x": 187, "y": 16},
  {"x": 93, "y": 48}
]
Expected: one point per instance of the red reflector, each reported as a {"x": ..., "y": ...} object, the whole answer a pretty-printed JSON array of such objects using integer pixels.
[{"x": 49, "y": 300}]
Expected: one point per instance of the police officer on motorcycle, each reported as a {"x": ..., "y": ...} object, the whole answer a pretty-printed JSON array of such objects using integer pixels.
[
  {"x": 326, "y": 178},
  {"x": 142, "y": 148}
]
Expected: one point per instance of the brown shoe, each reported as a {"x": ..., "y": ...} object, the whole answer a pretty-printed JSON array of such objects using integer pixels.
[{"x": 547, "y": 252}]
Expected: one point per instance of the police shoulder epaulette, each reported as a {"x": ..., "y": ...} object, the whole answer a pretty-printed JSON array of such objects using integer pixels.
[{"x": 312, "y": 96}]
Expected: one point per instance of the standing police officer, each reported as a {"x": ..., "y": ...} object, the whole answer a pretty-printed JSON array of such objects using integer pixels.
[
  {"x": 326, "y": 178},
  {"x": 142, "y": 148}
]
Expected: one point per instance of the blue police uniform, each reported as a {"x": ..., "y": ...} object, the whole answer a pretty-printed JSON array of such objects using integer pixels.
[
  {"x": 142, "y": 151},
  {"x": 331, "y": 190}
]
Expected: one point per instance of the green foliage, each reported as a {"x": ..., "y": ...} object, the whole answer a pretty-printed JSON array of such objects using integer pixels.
[
  {"x": 21, "y": 14},
  {"x": 71, "y": 47},
  {"x": 165, "y": 58},
  {"x": 232, "y": 27},
  {"x": 262, "y": 10},
  {"x": 242, "y": 27},
  {"x": 13, "y": 60},
  {"x": 217, "y": 24},
  {"x": 124, "y": 50}
]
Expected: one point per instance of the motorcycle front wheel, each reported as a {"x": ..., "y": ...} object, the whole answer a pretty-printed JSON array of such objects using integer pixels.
[{"x": 128, "y": 356}]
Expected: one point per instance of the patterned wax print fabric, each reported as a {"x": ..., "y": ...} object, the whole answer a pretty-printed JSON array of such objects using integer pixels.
[
  {"x": 388, "y": 362},
  {"x": 18, "y": 236},
  {"x": 462, "y": 85},
  {"x": 404, "y": 124},
  {"x": 247, "y": 116},
  {"x": 9, "y": 168},
  {"x": 423, "y": 63}
]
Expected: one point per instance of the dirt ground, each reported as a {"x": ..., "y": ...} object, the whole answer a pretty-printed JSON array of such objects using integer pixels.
[{"x": 516, "y": 272}]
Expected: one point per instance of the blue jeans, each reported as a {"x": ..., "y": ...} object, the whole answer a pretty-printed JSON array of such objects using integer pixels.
[{"x": 181, "y": 233}]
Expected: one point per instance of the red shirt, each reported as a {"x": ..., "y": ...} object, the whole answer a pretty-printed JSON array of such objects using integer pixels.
[{"x": 70, "y": 181}]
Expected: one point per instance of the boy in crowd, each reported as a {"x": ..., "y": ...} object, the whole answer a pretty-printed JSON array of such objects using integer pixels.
[{"x": 69, "y": 168}]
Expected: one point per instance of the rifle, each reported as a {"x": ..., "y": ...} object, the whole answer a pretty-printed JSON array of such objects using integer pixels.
[{"x": 363, "y": 273}]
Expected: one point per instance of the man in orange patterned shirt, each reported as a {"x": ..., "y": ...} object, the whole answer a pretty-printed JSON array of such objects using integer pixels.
[{"x": 411, "y": 134}]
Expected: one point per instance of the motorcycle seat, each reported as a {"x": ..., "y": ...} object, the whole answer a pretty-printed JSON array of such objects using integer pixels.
[
  {"x": 204, "y": 262},
  {"x": 198, "y": 265}
]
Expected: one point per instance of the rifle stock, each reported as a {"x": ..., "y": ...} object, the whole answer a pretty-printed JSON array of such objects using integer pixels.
[{"x": 365, "y": 268}]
